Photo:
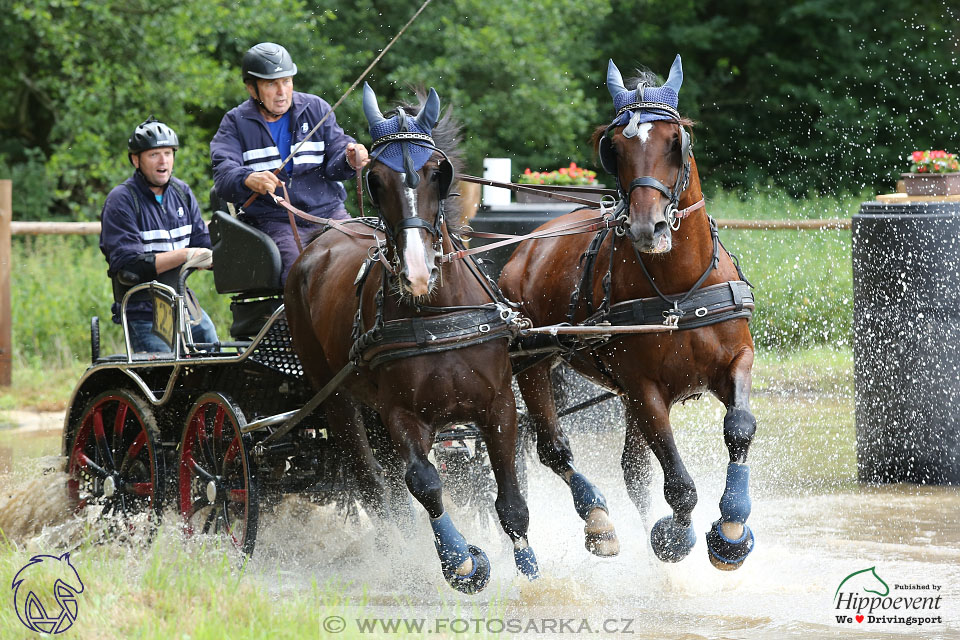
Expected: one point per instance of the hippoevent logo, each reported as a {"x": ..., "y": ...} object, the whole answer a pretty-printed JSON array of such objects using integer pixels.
[
  {"x": 33, "y": 585},
  {"x": 863, "y": 597}
]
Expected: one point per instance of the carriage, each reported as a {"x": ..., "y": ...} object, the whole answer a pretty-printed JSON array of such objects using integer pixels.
[{"x": 218, "y": 428}]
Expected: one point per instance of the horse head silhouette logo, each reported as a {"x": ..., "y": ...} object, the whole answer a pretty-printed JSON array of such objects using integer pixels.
[
  {"x": 36, "y": 579},
  {"x": 868, "y": 581}
]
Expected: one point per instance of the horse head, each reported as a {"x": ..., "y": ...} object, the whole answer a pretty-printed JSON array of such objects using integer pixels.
[
  {"x": 408, "y": 179},
  {"x": 648, "y": 150}
]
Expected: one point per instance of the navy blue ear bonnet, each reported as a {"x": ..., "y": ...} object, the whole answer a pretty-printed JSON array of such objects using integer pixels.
[
  {"x": 393, "y": 154},
  {"x": 624, "y": 98}
]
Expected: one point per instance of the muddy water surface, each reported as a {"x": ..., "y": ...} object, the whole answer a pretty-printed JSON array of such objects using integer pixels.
[{"x": 814, "y": 527}]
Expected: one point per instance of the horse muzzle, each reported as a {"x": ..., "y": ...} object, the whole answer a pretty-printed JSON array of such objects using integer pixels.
[{"x": 649, "y": 237}]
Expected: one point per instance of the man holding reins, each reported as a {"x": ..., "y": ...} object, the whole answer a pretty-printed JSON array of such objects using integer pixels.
[{"x": 255, "y": 138}]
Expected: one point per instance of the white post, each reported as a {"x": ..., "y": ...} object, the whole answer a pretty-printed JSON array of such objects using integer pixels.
[{"x": 497, "y": 169}]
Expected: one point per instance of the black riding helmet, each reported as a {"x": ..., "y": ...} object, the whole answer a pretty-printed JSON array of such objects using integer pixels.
[
  {"x": 267, "y": 61},
  {"x": 151, "y": 134}
]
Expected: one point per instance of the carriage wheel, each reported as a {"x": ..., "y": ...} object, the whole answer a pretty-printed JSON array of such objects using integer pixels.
[
  {"x": 114, "y": 458},
  {"x": 217, "y": 488}
]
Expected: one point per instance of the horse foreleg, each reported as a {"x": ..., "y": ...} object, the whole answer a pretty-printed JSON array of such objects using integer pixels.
[
  {"x": 553, "y": 449},
  {"x": 730, "y": 540},
  {"x": 672, "y": 537},
  {"x": 465, "y": 567},
  {"x": 500, "y": 434}
]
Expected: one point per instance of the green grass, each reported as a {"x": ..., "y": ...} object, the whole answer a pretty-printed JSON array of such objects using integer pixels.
[
  {"x": 803, "y": 279},
  {"x": 171, "y": 591},
  {"x": 58, "y": 283}
]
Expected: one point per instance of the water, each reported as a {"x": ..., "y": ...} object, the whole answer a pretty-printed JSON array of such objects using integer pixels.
[{"x": 814, "y": 526}]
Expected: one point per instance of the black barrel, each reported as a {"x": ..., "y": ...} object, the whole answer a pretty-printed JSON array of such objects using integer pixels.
[
  {"x": 906, "y": 341},
  {"x": 514, "y": 219}
]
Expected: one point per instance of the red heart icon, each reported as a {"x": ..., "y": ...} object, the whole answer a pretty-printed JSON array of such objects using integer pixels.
[{"x": 859, "y": 618}]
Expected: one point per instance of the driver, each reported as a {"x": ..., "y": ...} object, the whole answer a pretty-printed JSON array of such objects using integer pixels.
[
  {"x": 149, "y": 231},
  {"x": 258, "y": 135}
]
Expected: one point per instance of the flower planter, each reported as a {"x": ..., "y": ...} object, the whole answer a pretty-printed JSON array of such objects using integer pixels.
[
  {"x": 527, "y": 197},
  {"x": 931, "y": 184}
]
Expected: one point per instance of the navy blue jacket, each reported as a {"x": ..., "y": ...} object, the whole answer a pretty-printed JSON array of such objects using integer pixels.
[
  {"x": 128, "y": 231},
  {"x": 243, "y": 145}
]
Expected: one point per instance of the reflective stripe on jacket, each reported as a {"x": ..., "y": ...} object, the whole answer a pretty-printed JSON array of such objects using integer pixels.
[{"x": 243, "y": 145}]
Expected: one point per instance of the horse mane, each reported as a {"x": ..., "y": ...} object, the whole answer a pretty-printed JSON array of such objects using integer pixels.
[
  {"x": 649, "y": 78},
  {"x": 446, "y": 135}
]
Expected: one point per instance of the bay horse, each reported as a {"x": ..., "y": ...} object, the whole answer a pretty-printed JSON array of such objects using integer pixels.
[
  {"x": 664, "y": 264},
  {"x": 428, "y": 338}
]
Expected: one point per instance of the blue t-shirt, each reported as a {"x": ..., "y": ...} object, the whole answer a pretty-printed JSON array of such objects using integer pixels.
[{"x": 280, "y": 130}]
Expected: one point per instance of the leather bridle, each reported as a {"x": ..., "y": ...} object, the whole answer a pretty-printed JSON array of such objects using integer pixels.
[{"x": 608, "y": 160}]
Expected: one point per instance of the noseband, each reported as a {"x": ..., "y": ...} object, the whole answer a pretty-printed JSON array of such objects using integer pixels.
[{"x": 608, "y": 159}]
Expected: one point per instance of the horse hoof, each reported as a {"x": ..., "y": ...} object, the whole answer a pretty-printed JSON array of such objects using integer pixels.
[
  {"x": 527, "y": 562},
  {"x": 600, "y": 535},
  {"x": 726, "y": 554},
  {"x": 671, "y": 543},
  {"x": 476, "y": 580}
]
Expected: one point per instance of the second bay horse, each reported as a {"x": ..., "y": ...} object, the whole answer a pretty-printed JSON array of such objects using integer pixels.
[{"x": 663, "y": 265}]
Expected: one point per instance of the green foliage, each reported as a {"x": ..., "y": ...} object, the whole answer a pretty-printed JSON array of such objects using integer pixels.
[
  {"x": 60, "y": 282},
  {"x": 816, "y": 94},
  {"x": 86, "y": 73}
]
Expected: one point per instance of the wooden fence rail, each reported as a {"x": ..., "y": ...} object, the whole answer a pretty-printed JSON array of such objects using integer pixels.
[
  {"x": 93, "y": 228},
  {"x": 6, "y": 313}
]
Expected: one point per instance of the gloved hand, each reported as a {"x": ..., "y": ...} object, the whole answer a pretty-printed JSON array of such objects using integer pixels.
[{"x": 198, "y": 258}]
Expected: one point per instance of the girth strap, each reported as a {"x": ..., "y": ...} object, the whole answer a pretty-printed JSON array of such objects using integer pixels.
[
  {"x": 406, "y": 337},
  {"x": 706, "y": 306}
]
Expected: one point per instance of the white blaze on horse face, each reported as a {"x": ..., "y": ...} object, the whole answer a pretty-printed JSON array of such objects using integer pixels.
[
  {"x": 415, "y": 253},
  {"x": 644, "y": 131}
]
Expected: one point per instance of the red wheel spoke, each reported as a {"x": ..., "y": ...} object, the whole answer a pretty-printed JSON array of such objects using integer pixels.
[
  {"x": 238, "y": 495},
  {"x": 232, "y": 452},
  {"x": 101, "y": 439},
  {"x": 218, "y": 428},
  {"x": 120, "y": 419},
  {"x": 137, "y": 445},
  {"x": 100, "y": 471}
]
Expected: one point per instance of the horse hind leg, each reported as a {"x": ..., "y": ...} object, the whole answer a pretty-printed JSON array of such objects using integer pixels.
[
  {"x": 350, "y": 437},
  {"x": 465, "y": 567},
  {"x": 500, "y": 435},
  {"x": 553, "y": 449},
  {"x": 672, "y": 537},
  {"x": 730, "y": 540}
]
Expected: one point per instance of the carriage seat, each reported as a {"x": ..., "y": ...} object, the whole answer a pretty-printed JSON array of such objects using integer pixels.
[
  {"x": 245, "y": 260},
  {"x": 246, "y": 264}
]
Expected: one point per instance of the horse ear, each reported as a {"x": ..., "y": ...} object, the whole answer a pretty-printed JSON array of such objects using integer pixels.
[
  {"x": 614, "y": 80},
  {"x": 65, "y": 556},
  {"x": 370, "y": 108},
  {"x": 675, "y": 79},
  {"x": 427, "y": 118}
]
